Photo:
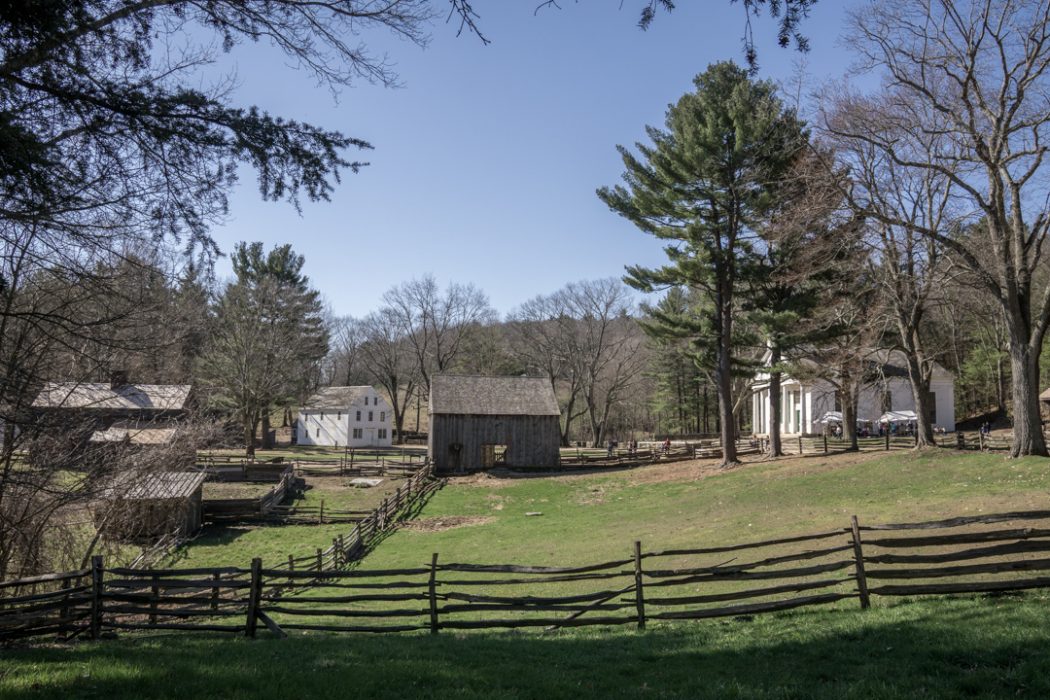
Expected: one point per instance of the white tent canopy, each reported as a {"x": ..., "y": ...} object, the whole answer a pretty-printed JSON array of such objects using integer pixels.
[
  {"x": 898, "y": 417},
  {"x": 830, "y": 417}
]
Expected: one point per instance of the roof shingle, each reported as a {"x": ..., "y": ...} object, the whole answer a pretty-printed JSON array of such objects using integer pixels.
[{"x": 492, "y": 396}]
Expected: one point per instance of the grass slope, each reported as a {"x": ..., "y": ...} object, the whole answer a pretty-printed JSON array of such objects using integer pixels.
[{"x": 594, "y": 518}]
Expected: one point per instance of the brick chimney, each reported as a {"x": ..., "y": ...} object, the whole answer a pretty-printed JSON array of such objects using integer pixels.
[{"x": 118, "y": 378}]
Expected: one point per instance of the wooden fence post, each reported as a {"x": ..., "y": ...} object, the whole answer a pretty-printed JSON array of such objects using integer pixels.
[
  {"x": 215, "y": 591},
  {"x": 639, "y": 595},
  {"x": 825, "y": 443},
  {"x": 335, "y": 551},
  {"x": 320, "y": 518},
  {"x": 96, "y": 595},
  {"x": 291, "y": 563},
  {"x": 432, "y": 589},
  {"x": 858, "y": 555},
  {"x": 320, "y": 560},
  {"x": 887, "y": 437},
  {"x": 800, "y": 444},
  {"x": 154, "y": 594},
  {"x": 980, "y": 439},
  {"x": 960, "y": 441},
  {"x": 64, "y": 613},
  {"x": 254, "y": 593}
]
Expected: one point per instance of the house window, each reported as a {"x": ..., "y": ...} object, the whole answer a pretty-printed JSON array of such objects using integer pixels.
[
  {"x": 357, "y": 433},
  {"x": 358, "y": 416},
  {"x": 382, "y": 416},
  {"x": 370, "y": 417},
  {"x": 382, "y": 433}
]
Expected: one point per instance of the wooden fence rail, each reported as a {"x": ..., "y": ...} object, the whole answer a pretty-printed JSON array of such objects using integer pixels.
[{"x": 318, "y": 592}]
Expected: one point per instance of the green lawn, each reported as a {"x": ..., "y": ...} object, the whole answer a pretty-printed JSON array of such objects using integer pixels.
[
  {"x": 595, "y": 518},
  {"x": 236, "y": 545},
  {"x": 966, "y": 647}
]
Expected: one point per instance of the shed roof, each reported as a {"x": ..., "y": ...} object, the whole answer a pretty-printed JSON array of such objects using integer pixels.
[
  {"x": 135, "y": 434},
  {"x": 154, "y": 487},
  {"x": 104, "y": 397},
  {"x": 1045, "y": 396},
  {"x": 492, "y": 396},
  {"x": 331, "y": 397}
]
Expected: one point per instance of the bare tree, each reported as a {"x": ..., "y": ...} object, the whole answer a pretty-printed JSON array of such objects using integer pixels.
[
  {"x": 975, "y": 74},
  {"x": 606, "y": 346},
  {"x": 344, "y": 363},
  {"x": 907, "y": 266},
  {"x": 437, "y": 324},
  {"x": 387, "y": 354},
  {"x": 541, "y": 335}
]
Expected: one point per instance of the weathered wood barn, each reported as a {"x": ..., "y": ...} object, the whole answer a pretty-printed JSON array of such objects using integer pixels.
[
  {"x": 73, "y": 416},
  {"x": 147, "y": 506},
  {"x": 479, "y": 422}
]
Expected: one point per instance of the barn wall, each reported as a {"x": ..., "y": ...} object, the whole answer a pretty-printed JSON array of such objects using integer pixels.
[{"x": 532, "y": 441}]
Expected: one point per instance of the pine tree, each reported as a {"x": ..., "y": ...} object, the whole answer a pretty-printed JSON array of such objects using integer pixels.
[{"x": 706, "y": 185}]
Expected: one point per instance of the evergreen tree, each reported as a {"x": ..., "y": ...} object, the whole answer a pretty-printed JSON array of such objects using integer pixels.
[
  {"x": 269, "y": 339},
  {"x": 706, "y": 185}
]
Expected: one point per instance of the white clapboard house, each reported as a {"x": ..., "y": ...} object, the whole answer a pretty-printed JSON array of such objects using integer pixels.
[
  {"x": 341, "y": 416},
  {"x": 805, "y": 402}
]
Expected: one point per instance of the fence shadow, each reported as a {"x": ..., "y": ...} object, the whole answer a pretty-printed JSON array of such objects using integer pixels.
[{"x": 942, "y": 649}]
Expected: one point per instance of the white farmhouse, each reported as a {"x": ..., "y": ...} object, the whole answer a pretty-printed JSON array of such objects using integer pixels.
[
  {"x": 805, "y": 401},
  {"x": 341, "y": 416}
]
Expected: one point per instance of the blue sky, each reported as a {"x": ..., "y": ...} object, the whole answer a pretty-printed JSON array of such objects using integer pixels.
[{"x": 486, "y": 161}]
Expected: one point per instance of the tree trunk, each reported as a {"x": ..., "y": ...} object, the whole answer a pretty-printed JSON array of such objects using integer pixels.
[
  {"x": 723, "y": 367},
  {"x": 1024, "y": 379},
  {"x": 249, "y": 438},
  {"x": 920, "y": 390},
  {"x": 267, "y": 443},
  {"x": 775, "y": 447},
  {"x": 1000, "y": 384},
  {"x": 849, "y": 415}
]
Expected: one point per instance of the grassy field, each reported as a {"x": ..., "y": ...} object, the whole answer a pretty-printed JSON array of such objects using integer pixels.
[
  {"x": 598, "y": 517},
  {"x": 972, "y": 647}
]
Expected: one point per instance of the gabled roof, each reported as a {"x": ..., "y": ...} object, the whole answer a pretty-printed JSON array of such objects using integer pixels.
[
  {"x": 492, "y": 396},
  {"x": 157, "y": 486},
  {"x": 135, "y": 434},
  {"x": 104, "y": 397},
  {"x": 335, "y": 397}
]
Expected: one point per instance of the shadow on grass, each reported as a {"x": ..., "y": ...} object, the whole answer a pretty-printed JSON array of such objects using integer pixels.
[{"x": 944, "y": 649}]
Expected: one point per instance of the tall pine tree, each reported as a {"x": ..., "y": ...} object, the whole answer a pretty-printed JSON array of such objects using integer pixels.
[{"x": 706, "y": 184}]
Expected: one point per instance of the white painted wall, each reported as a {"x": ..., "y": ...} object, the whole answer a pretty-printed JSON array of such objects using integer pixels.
[
  {"x": 367, "y": 422},
  {"x": 819, "y": 397}
]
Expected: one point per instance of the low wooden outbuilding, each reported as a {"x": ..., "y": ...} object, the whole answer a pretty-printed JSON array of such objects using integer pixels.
[
  {"x": 147, "y": 506},
  {"x": 481, "y": 422}
]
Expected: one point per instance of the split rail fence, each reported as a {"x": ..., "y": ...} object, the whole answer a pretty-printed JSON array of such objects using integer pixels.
[{"x": 972, "y": 554}]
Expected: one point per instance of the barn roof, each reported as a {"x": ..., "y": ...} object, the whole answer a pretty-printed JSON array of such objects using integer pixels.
[
  {"x": 492, "y": 396},
  {"x": 105, "y": 397},
  {"x": 135, "y": 434},
  {"x": 154, "y": 487},
  {"x": 332, "y": 397}
]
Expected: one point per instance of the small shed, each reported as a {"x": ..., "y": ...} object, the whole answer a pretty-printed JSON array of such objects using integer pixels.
[
  {"x": 147, "y": 506},
  {"x": 481, "y": 422}
]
